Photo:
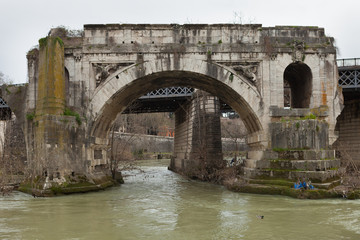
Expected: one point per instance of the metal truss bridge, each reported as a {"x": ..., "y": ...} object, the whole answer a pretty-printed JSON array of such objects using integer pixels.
[
  {"x": 349, "y": 77},
  {"x": 349, "y": 73},
  {"x": 166, "y": 100}
]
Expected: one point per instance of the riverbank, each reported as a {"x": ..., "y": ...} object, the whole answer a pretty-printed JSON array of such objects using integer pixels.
[
  {"x": 42, "y": 187},
  {"x": 348, "y": 188},
  {"x": 286, "y": 188}
]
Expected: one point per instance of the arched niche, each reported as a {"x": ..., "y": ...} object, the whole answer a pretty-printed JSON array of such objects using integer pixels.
[{"x": 297, "y": 85}]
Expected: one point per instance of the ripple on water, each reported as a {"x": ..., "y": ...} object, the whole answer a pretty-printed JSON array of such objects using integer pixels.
[{"x": 348, "y": 218}]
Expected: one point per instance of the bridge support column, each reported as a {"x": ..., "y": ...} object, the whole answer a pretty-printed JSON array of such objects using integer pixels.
[
  {"x": 298, "y": 148},
  {"x": 197, "y": 143},
  {"x": 58, "y": 142}
]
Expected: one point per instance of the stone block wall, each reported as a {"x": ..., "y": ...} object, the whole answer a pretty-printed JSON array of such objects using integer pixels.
[
  {"x": 348, "y": 126},
  {"x": 300, "y": 134},
  {"x": 206, "y": 140},
  {"x": 198, "y": 135}
]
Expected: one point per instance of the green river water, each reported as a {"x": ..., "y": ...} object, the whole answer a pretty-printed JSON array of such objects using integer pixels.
[{"x": 159, "y": 204}]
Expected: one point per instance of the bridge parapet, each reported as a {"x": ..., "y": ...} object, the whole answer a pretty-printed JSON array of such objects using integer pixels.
[{"x": 348, "y": 62}]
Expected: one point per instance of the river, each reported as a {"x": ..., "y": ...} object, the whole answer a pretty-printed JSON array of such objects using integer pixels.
[{"x": 158, "y": 204}]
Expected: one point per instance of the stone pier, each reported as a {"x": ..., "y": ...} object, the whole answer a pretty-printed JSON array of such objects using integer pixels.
[{"x": 197, "y": 143}]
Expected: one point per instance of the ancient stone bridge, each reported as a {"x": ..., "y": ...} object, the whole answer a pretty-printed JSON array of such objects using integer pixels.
[{"x": 273, "y": 77}]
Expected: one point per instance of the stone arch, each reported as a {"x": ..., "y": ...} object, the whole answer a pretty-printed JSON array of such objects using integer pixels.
[
  {"x": 128, "y": 84},
  {"x": 297, "y": 85}
]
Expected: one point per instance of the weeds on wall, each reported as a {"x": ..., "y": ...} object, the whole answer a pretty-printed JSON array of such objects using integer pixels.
[{"x": 68, "y": 112}]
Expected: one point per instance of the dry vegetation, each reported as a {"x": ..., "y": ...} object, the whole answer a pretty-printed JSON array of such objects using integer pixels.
[{"x": 350, "y": 179}]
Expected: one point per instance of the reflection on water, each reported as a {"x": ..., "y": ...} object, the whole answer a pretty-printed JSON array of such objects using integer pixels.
[{"x": 158, "y": 204}]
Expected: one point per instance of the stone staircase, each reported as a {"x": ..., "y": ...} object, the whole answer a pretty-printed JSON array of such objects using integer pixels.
[
  {"x": 319, "y": 166},
  {"x": 300, "y": 150}
]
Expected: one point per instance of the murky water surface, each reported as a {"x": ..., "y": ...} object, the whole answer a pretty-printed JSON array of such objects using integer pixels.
[{"x": 159, "y": 204}]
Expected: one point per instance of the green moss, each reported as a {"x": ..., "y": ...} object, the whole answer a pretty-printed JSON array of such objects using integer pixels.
[
  {"x": 285, "y": 191},
  {"x": 59, "y": 40},
  {"x": 297, "y": 125},
  {"x": 290, "y": 119},
  {"x": 80, "y": 184},
  {"x": 309, "y": 116},
  {"x": 25, "y": 187},
  {"x": 69, "y": 112},
  {"x": 231, "y": 77},
  {"x": 283, "y": 170},
  {"x": 220, "y": 41},
  {"x": 7, "y": 90},
  {"x": 42, "y": 42},
  {"x": 279, "y": 182},
  {"x": 280, "y": 149},
  {"x": 30, "y": 116},
  {"x": 354, "y": 195},
  {"x": 56, "y": 189}
]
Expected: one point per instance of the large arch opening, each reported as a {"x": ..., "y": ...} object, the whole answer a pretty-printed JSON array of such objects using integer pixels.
[
  {"x": 231, "y": 92},
  {"x": 297, "y": 85},
  {"x": 143, "y": 132},
  {"x": 125, "y": 86}
]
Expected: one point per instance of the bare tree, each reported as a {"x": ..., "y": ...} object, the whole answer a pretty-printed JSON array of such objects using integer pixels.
[
  {"x": 346, "y": 159},
  {"x": 120, "y": 151},
  {"x": 233, "y": 128},
  {"x": 4, "y": 79}
]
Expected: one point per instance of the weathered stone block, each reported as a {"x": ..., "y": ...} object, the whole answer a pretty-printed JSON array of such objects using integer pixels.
[{"x": 299, "y": 134}]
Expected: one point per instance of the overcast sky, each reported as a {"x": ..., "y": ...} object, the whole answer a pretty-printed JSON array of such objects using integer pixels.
[{"x": 24, "y": 22}]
